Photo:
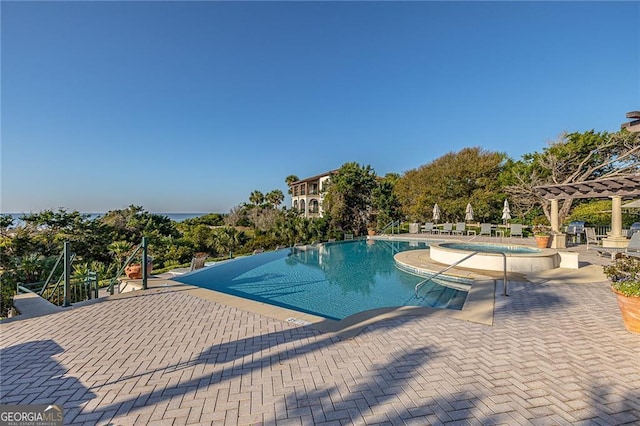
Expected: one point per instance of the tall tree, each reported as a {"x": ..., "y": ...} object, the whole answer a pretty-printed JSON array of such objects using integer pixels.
[
  {"x": 132, "y": 223},
  {"x": 275, "y": 198},
  {"x": 228, "y": 240},
  {"x": 385, "y": 202},
  {"x": 256, "y": 198},
  {"x": 348, "y": 201},
  {"x": 289, "y": 180},
  {"x": 453, "y": 181},
  {"x": 573, "y": 158}
]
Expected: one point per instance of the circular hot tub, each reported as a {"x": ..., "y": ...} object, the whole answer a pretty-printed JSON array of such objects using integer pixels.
[{"x": 490, "y": 257}]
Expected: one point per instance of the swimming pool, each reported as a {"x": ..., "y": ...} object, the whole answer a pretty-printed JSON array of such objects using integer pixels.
[{"x": 332, "y": 280}]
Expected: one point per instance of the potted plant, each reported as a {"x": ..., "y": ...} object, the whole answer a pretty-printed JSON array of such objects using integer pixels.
[
  {"x": 624, "y": 274},
  {"x": 371, "y": 228},
  {"x": 542, "y": 234},
  {"x": 134, "y": 269}
]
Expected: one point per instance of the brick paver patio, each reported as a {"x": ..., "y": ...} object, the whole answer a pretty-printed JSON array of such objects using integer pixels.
[{"x": 556, "y": 354}]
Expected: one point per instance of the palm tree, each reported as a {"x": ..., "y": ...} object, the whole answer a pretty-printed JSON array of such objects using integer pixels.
[
  {"x": 256, "y": 198},
  {"x": 31, "y": 267},
  {"x": 275, "y": 198},
  {"x": 228, "y": 239},
  {"x": 289, "y": 180},
  {"x": 120, "y": 250}
]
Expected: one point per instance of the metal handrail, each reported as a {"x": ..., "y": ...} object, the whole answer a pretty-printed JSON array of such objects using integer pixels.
[
  {"x": 24, "y": 289},
  {"x": 53, "y": 270},
  {"x": 28, "y": 287},
  {"x": 421, "y": 283},
  {"x": 48, "y": 290},
  {"x": 46, "y": 283},
  {"x": 390, "y": 225},
  {"x": 55, "y": 287},
  {"x": 83, "y": 287}
]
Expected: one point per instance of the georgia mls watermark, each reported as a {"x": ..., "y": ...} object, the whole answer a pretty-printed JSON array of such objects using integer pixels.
[{"x": 31, "y": 415}]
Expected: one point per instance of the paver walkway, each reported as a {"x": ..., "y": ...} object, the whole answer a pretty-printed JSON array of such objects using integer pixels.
[{"x": 556, "y": 354}]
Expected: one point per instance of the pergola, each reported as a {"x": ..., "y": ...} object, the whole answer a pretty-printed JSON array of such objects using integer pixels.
[
  {"x": 615, "y": 188},
  {"x": 633, "y": 125}
]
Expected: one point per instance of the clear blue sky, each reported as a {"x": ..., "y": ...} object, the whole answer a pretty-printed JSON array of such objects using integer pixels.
[{"x": 188, "y": 107}]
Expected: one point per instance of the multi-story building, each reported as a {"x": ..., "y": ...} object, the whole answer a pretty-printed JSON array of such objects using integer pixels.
[{"x": 307, "y": 194}]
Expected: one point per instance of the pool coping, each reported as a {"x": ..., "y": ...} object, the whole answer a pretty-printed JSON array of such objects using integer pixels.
[{"x": 478, "y": 307}]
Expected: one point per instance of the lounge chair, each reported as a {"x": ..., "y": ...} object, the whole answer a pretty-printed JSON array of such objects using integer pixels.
[
  {"x": 515, "y": 230},
  {"x": 485, "y": 229},
  {"x": 447, "y": 228},
  {"x": 460, "y": 229},
  {"x": 633, "y": 249},
  {"x": 196, "y": 263},
  {"x": 591, "y": 237},
  {"x": 428, "y": 228}
]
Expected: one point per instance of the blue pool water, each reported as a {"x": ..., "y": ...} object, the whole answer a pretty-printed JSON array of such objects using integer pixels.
[{"x": 333, "y": 280}]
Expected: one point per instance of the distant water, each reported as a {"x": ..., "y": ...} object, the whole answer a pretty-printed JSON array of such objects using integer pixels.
[{"x": 177, "y": 217}]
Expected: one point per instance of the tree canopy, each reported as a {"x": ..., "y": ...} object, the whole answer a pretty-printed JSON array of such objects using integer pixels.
[
  {"x": 348, "y": 201},
  {"x": 574, "y": 157},
  {"x": 453, "y": 181},
  {"x": 386, "y": 205}
]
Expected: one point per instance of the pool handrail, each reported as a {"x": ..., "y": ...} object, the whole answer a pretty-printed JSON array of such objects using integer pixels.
[
  {"x": 390, "y": 225},
  {"x": 421, "y": 283}
]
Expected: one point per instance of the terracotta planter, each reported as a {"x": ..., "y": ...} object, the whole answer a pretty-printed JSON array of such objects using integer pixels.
[
  {"x": 133, "y": 272},
  {"x": 542, "y": 240},
  {"x": 630, "y": 309}
]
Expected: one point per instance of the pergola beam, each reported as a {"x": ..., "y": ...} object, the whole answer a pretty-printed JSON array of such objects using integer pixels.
[
  {"x": 623, "y": 186},
  {"x": 614, "y": 188},
  {"x": 634, "y": 125}
]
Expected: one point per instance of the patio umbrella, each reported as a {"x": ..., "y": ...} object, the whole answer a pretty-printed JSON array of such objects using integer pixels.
[
  {"x": 506, "y": 213},
  {"x": 632, "y": 205},
  {"x": 468, "y": 214},
  {"x": 436, "y": 213}
]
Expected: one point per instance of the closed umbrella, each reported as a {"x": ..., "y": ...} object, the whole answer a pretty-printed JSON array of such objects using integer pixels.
[
  {"x": 506, "y": 213},
  {"x": 436, "y": 213},
  {"x": 468, "y": 214}
]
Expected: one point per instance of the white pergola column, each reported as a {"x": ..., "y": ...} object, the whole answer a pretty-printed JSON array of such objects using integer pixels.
[
  {"x": 555, "y": 225},
  {"x": 559, "y": 240},
  {"x": 616, "y": 239}
]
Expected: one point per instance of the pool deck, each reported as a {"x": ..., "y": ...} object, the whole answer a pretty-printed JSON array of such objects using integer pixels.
[{"x": 555, "y": 351}]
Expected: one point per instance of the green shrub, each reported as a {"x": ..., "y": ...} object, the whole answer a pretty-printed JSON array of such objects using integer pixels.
[
  {"x": 598, "y": 213},
  {"x": 7, "y": 291}
]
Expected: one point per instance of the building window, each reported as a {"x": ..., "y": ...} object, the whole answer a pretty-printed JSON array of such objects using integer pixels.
[
  {"x": 295, "y": 204},
  {"x": 302, "y": 205},
  {"x": 313, "y": 206}
]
